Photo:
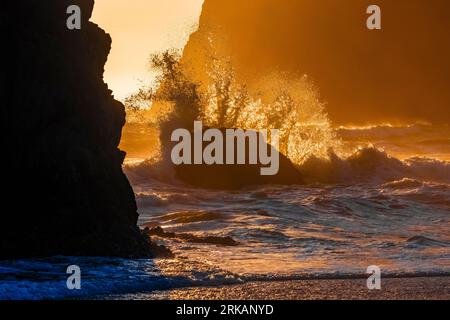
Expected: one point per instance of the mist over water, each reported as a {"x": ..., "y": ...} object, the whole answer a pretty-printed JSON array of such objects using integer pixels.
[{"x": 283, "y": 101}]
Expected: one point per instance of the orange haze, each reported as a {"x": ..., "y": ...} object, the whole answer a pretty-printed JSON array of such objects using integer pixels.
[{"x": 400, "y": 74}]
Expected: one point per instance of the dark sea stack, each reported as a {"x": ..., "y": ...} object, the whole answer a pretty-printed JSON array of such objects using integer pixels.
[
  {"x": 232, "y": 177},
  {"x": 64, "y": 192},
  {"x": 237, "y": 176}
]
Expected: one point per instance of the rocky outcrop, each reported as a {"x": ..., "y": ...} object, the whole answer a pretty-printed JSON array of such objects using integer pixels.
[
  {"x": 238, "y": 176},
  {"x": 187, "y": 237},
  {"x": 64, "y": 192}
]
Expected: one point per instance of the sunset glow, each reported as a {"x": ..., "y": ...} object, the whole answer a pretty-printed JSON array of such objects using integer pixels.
[
  {"x": 235, "y": 150},
  {"x": 139, "y": 28}
]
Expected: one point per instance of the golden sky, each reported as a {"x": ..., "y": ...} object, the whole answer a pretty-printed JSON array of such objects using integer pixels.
[{"x": 139, "y": 28}]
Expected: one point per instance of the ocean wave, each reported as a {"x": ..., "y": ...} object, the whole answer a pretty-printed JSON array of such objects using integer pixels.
[
  {"x": 41, "y": 279},
  {"x": 192, "y": 216},
  {"x": 418, "y": 133},
  {"x": 373, "y": 165},
  {"x": 150, "y": 200},
  {"x": 421, "y": 241},
  {"x": 364, "y": 165},
  {"x": 405, "y": 183}
]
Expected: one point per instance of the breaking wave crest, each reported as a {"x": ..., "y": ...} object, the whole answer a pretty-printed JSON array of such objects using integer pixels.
[
  {"x": 364, "y": 165},
  {"x": 373, "y": 165},
  {"x": 283, "y": 101}
]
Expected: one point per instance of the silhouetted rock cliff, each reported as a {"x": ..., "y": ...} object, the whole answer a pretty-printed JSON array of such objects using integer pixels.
[{"x": 64, "y": 192}]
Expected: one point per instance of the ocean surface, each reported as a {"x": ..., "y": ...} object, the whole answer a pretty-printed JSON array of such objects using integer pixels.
[{"x": 390, "y": 218}]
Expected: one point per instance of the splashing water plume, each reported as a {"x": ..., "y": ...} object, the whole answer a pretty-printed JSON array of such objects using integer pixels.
[{"x": 282, "y": 101}]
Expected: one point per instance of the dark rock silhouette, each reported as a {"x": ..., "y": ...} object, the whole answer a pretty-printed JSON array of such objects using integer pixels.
[
  {"x": 216, "y": 240},
  {"x": 231, "y": 177},
  {"x": 237, "y": 176},
  {"x": 64, "y": 189}
]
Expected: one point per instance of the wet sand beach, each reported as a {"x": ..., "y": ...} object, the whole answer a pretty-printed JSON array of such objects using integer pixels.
[{"x": 420, "y": 288}]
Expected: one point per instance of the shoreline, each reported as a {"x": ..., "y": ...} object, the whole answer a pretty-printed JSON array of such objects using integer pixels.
[
  {"x": 417, "y": 288},
  {"x": 411, "y": 288}
]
